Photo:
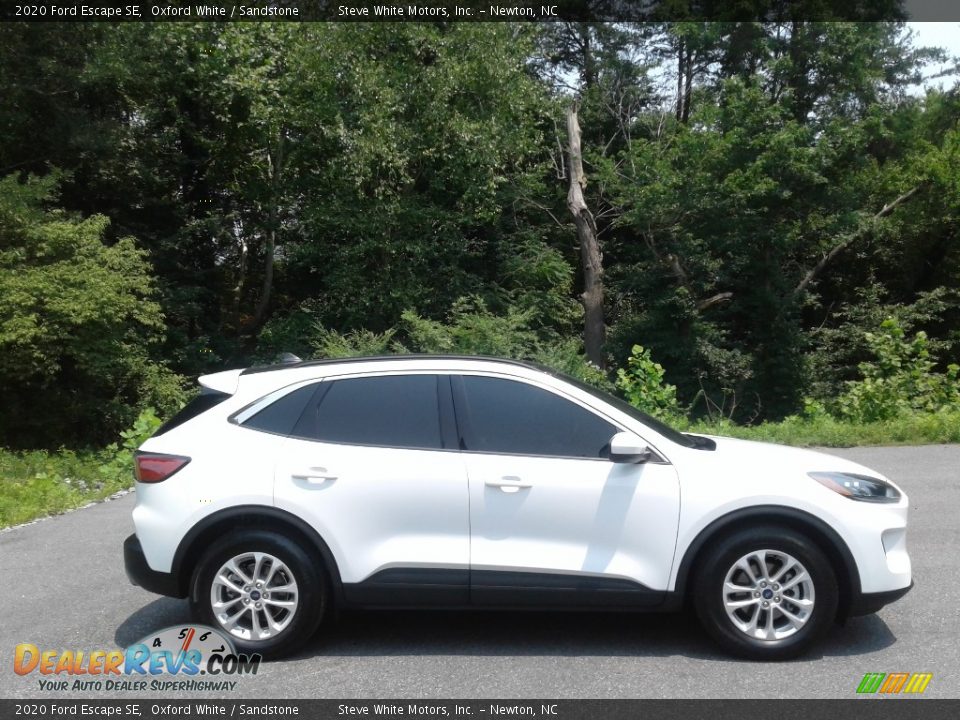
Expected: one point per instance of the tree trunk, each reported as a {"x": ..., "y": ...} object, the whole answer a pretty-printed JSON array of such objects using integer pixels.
[
  {"x": 681, "y": 74},
  {"x": 275, "y": 168},
  {"x": 240, "y": 237},
  {"x": 594, "y": 332}
]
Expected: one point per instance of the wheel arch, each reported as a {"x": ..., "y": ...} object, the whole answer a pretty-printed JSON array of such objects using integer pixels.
[
  {"x": 253, "y": 517},
  {"x": 826, "y": 538}
]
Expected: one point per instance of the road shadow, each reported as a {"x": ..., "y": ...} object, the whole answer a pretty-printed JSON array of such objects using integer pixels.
[
  {"x": 517, "y": 634},
  {"x": 857, "y": 636},
  {"x": 159, "y": 614}
]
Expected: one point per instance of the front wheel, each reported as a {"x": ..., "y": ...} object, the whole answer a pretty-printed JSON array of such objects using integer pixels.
[
  {"x": 766, "y": 593},
  {"x": 261, "y": 589}
]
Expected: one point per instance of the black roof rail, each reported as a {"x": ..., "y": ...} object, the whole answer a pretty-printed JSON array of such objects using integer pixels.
[{"x": 291, "y": 364}]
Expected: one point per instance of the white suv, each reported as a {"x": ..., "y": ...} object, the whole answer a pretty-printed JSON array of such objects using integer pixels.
[{"x": 426, "y": 481}]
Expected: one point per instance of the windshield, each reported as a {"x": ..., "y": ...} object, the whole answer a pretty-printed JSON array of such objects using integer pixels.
[{"x": 656, "y": 425}]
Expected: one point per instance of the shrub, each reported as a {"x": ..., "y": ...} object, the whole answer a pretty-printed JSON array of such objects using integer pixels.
[
  {"x": 470, "y": 328},
  {"x": 37, "y": 483},
  {"x": 117, "y": 458},
  {"x": 328, "y": 343},
  {"x": 77, "y": 321},
  {"x": 642, "y": 384},
  {"x": 901, "y": 379}
]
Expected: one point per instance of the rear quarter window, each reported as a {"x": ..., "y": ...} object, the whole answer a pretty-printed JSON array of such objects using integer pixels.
[{"x": 281, "y": 416}]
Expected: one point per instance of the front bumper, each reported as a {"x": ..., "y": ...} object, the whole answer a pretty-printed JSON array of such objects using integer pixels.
[
  {"x": 140, "y": 573},
  {"x": 867, "y": 603}
]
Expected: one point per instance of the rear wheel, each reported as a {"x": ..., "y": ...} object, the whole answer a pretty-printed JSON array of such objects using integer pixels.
[
  {"x": 766, "y": 593},
  {"x": 261, "y": 589}
]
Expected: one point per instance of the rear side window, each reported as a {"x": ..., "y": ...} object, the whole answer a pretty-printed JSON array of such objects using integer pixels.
[
  {"x": 390, "y": 411},
  {"x": 505, "y": 416},
  {"x": 200, "y": 404},
  {"x": 281, "y": 416}
]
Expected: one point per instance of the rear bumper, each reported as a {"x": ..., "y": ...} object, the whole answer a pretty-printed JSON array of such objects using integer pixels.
[
  {"x": 140, "y": 573},
  {"x": 868, "y": 603}
]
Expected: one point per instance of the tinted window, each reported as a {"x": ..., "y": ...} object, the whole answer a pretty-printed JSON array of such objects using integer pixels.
[
  {"x": 282, "y": 415},
  {"x": 690, "y": 441},
  {"x": 513, "y": 417},
  {"x": 200, "y": 404},
  {"x": 393, "y": 411}
]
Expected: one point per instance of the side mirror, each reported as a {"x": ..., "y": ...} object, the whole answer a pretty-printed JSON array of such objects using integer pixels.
[{"x": 625, "y": 447}]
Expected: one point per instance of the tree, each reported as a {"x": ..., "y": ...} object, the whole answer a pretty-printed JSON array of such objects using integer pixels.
[
  {"x": 594, "y": 333},
  {"x": 77, "y": 325},
  {"x": 421, "y": 149},
  {"x": 610, "y": 89},
  {"x": 732, "y": 220}
]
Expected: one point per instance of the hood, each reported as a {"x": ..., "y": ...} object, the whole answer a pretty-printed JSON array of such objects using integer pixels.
[{"x": 750, "y": 453}]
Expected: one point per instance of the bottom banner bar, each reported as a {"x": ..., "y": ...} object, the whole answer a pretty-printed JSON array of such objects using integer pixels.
[{"x": 864, "y": 708}]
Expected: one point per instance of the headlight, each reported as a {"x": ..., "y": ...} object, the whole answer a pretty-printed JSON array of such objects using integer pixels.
[{"x": 858, "y": 487}]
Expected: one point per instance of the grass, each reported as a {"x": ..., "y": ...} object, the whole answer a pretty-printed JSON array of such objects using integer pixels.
[
  {"x": 37, "y": 483},
  {"x": 826, "y": 431}
]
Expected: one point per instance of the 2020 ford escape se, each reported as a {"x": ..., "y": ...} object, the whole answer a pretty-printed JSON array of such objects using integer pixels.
[{"x": 427, "y": 481}]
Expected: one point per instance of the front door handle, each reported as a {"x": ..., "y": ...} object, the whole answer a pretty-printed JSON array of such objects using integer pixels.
[
  {"x": 508, "y": 484},
  {"x": 314, "y": 476}
]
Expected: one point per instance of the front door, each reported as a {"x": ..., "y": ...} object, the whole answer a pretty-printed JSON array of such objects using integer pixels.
[{"x": 553, "y": 520}]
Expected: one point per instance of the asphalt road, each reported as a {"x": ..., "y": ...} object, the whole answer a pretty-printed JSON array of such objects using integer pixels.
[{"x": 62, "y": 586}]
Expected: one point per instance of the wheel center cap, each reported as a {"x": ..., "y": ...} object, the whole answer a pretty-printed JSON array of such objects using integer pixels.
[
  {"x": 767, "y": 594},
  {"x": 255, "y": 595}
]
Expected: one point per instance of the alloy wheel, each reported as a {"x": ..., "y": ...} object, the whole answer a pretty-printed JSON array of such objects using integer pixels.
[
  {"x": 254, "y": 596},
  {"x": 768, "y": 595}
]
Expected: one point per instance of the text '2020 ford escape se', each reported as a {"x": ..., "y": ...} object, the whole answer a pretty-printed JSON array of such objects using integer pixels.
[{"x": 419, "y": 481}]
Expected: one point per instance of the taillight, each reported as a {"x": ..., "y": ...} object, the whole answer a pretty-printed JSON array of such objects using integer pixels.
[{"x": 156, "y": 467}]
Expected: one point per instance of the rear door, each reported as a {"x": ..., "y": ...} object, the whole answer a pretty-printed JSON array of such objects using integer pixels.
[
  {"x": 374, "y": 467},
  {"x": 553, "y": 520}
]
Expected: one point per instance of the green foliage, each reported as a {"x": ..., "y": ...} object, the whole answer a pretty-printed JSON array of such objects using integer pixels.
[
  {"x": 901, "y": 379},
  {"x": 37, "y": 483},
  {"x": 783, "y": 193},
  {"x": 837, "y": 349},
  {"x": 470, "y": 328},
  {"x": 911, "y": 428},
  {"x": 356, "y": 343},
  {"x": 566, "y": 356},
  {"x": 77, "y": 324},
  {"x": 117, "y": 458},
  {"x": 642, "y": 384}
]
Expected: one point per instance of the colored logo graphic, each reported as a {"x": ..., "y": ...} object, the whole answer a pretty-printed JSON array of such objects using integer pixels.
[
  {"x": 894, "y": 683},
  {"x": 181, "y": 650}
]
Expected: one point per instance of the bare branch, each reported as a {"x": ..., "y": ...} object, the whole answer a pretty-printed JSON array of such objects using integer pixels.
[
  {"x": 709, "y": 302},
  {"x": 545, "y": 209},
  {"x": 850, "y": 239}
]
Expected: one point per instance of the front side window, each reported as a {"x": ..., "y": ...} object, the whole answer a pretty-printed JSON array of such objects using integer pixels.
[
  {"x": 387, "y": 411},
  {"x": 507, "y": 416}
]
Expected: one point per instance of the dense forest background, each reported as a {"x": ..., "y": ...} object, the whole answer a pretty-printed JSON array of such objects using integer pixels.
[{"x": 747, "y": 201}]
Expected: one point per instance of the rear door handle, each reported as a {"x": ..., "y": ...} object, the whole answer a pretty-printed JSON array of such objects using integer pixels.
[
  {"x": 314, "y": 476},
  {"x": 508, "y": 483}
]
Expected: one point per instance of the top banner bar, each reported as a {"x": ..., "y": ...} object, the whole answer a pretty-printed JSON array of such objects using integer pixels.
[{"x": 480, "y": 11}]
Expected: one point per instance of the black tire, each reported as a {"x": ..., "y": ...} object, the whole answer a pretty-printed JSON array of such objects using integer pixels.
[
  {"x": 312, "y": 589},
  {"x": 710, "y": 598}
]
